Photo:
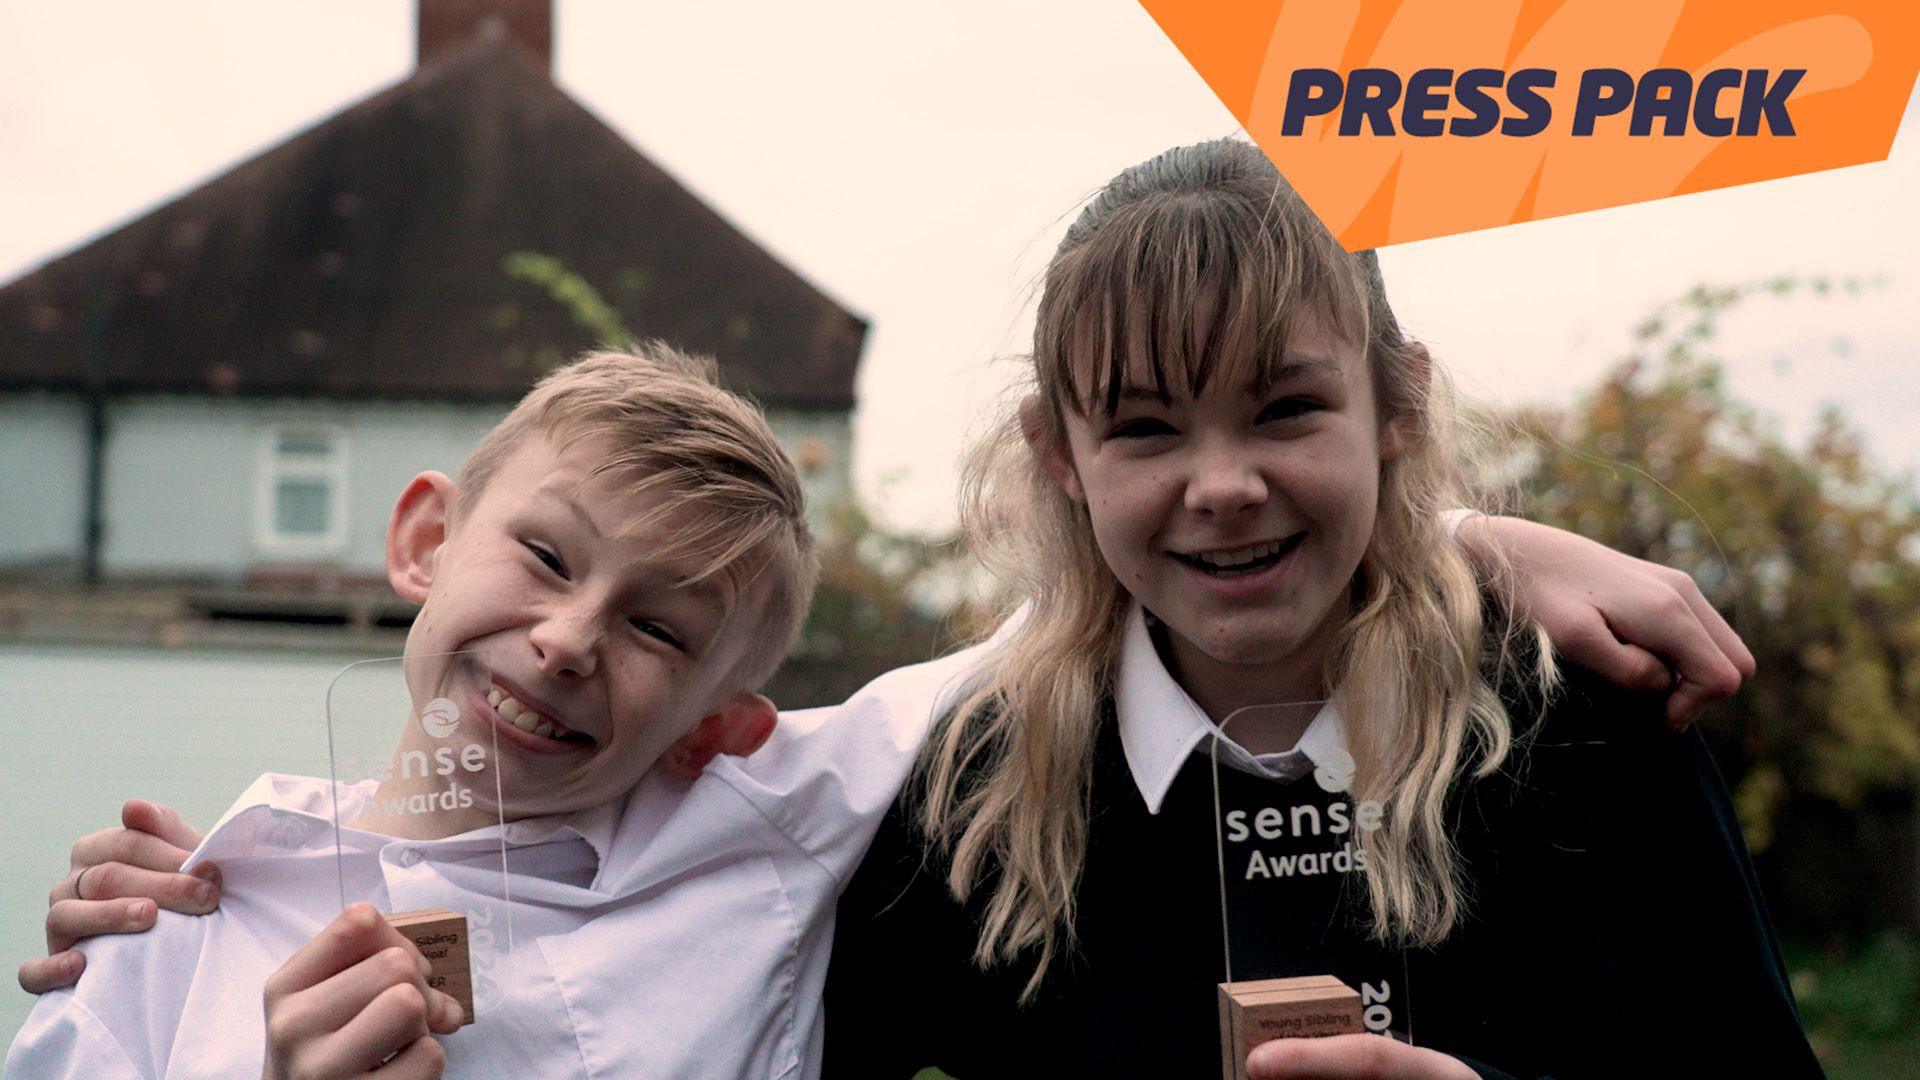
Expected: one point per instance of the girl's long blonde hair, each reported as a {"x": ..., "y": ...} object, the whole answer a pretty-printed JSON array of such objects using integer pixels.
[{"x": 1196, "y": 263}]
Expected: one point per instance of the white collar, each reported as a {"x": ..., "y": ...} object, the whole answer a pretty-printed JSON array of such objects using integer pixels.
[
  {"x": 1161, "y": 726},
  {"x": 596, "y": 825},
  {"x": 311, "y": 798}
]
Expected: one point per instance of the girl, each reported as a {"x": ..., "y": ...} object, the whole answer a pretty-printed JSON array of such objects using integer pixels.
[{"x": 1226, "y": 491}]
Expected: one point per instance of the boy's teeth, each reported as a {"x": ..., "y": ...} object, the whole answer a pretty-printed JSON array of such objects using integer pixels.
[{"x": 522, "y": 717}]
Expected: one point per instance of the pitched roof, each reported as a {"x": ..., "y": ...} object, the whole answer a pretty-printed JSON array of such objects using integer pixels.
[{"x": 364, "y": 257}]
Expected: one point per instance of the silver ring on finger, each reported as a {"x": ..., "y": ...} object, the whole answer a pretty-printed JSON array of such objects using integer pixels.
[{"x": 79, "y": 880}]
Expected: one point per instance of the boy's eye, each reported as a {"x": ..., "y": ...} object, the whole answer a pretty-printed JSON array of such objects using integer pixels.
[
  {"x": 654, "y": 629},
  {"x": 1140, "y": 427},
  {"x": 1288, "y": 408},
  {"x": 547, "y": 559}
]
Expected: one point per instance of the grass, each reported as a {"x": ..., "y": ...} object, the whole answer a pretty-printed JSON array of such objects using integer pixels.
[{"x": 1861, "y": 1005}]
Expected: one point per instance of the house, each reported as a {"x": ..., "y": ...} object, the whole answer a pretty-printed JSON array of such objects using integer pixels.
[{"x": 205, "y": 413}]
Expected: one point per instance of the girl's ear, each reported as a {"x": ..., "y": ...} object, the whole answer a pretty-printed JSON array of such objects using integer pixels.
[
  {"x": 417, "y": 532},
  {"x": 1396, "y": 430},
  {"x": 1049, "y": 446}
]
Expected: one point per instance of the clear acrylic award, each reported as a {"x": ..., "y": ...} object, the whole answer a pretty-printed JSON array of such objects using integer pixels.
[
  {"x": 415, "y": 753},
  {"x": 1293, "y": 894}
]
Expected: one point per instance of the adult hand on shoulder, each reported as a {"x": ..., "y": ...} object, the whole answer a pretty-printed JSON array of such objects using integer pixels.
[
  {"x": 118, "y": 881},
  {"x": 1639, "y": 624},
  {"x": 1352, "y": 1057},
  {"x": 355, "y": 999}
]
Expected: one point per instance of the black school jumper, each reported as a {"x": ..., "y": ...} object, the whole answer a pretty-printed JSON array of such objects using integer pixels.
[{"x": 1616, "y": 928}]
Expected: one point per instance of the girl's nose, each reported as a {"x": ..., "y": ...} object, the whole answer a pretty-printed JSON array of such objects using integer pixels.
[
  {"x": 565, "y": 643},
  {"x": 1224, "y": 482}
]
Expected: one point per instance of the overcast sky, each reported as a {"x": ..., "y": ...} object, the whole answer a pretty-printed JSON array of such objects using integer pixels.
[{"x": 919, "y": 162}]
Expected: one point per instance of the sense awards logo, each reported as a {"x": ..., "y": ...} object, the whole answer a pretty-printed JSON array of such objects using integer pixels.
[{"x": 440, "y": 718}]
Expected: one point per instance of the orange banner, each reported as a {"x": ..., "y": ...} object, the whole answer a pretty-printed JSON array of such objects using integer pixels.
[{"x": 1401, "y": 120}]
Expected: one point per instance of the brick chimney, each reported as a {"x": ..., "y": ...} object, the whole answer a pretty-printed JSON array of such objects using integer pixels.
[{"x": 448, "y": 24}]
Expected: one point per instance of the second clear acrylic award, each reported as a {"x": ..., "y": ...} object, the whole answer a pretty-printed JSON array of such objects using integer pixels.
[{"x": 1299, "y": 961}]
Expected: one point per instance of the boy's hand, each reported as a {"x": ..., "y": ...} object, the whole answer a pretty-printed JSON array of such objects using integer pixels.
[
  {"x": 1352, "y": 1057},
  {"x": 353, "y": 998},
  {"x": 118, "y": 881},
  {"x": 1639, "y": 624}
]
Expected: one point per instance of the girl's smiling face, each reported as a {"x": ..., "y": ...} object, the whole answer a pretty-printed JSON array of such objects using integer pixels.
[{"x": 1238, "y": 515}]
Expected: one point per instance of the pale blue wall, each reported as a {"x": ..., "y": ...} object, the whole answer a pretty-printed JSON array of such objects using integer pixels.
[
  {"x": 43, "y": 478},
  {"x": 830, "y": 438},
  {"x": 179, "y": 487},
  {"x": 182, "y": 476}
]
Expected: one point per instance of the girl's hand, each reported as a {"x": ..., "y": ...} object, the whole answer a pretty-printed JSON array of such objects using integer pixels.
[
  {"x": 1351, "y": 1057},
  {"x": 1639, "y": 624},
  {"x": 118, "y": 881},
  {"x": 352, "y": 998}
]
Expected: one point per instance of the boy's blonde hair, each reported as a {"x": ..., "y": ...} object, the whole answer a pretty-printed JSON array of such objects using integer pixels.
[
  {"x": 668, "y": 426},
  {"x": 1196, "y": 265}
]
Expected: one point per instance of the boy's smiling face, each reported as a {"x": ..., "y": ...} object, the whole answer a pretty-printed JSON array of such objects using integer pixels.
[{"x": 591, "y": 637}]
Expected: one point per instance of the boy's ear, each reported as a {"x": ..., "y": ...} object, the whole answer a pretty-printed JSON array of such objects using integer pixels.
[
  {"x": 741, "y": 726},
  {"x": 1396, "y": 431},
  {"x": 1049, "y": 446},
  {"x": 416, "y": 533}
]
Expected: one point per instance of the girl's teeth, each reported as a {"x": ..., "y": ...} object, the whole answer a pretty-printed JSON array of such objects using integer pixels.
[
  {"x": 545, "y": 730},
  {"x": 510, "y": 708},
  {"x": 1241, "y": 555}
]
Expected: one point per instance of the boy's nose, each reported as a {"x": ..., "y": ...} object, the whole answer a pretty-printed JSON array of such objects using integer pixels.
[
  {"x": 1225, "y": 481},
  {"x": 563, "y": 644}
]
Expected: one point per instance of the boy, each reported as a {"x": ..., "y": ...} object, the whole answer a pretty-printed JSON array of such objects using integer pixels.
[{"x": 627, "y": 552}]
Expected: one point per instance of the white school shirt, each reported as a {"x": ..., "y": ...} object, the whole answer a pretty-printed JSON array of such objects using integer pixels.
[
  {"x": 1161, "y": 727},
  {"x": 686, "y": 934}
]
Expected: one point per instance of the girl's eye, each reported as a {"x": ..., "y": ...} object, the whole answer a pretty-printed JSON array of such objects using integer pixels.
[
  {"x": 654, "y": 629},
  {"x": 1288, "y": 409},
  {"x": 1143, "y": 427},
  {"x": 547, "y": 559}
]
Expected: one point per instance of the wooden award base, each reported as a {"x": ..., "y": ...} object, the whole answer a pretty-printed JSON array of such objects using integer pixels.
[
  {"x": 441, "y": 937},
  {"x": 1308, "y": 1006}
]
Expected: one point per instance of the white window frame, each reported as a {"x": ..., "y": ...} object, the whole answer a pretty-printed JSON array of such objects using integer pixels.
[{"x": 333, "y": 469}]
